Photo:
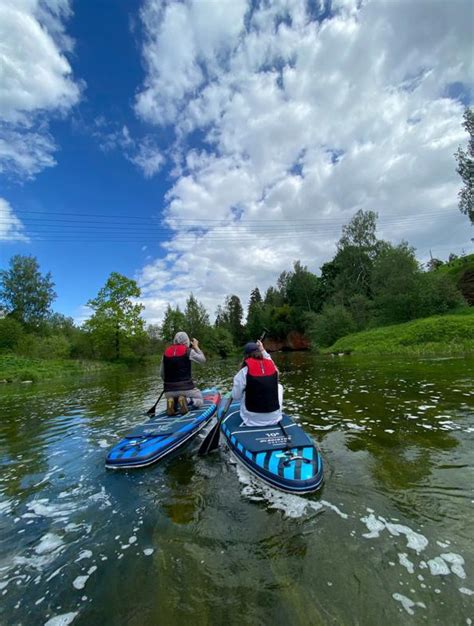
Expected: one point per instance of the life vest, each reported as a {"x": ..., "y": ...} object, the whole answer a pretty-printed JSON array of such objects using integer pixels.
[
  {"x": 177, "y": 368},
  {"x": 261, "y": 391}
]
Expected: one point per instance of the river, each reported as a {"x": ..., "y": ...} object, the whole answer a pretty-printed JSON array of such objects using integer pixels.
[{"x": 196, "y": 541}]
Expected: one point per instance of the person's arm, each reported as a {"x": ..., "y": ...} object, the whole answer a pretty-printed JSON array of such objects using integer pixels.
[
  {"x": 240, "y": 380},
  {"x": 263, "y": 351},
  {"x": 196, "y": 354},
  {"x": 162, "y": 370}
]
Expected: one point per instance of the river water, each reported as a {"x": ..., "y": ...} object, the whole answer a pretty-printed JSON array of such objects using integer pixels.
[{"x": 197, "y": 541}]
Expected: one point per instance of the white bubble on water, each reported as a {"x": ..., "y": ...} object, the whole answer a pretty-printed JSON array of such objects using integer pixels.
[
  {"x": 49, "y": 543},
  {"x": 80, "y": 582},
  {"x": 415, "y": 541},
  {"x": 405, "y": 561},
  {"x": 466, "y": 591},
  {"x": 373, "y": 525},
  {"x": 438, "y": 567},
  {"x": 456, "y": 562},
  {"x": 148, "y": 551},
  {"x": 85, "y": 554},
  {"x": 132, "y": 539},
  {"x": 407, "y": 603},
  {"x": 61, "y": 620}
]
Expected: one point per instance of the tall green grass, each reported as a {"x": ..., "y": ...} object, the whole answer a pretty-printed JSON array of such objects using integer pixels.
[
  {"x": 439, "y": 334},
  {"x": 20, "y": 369}
]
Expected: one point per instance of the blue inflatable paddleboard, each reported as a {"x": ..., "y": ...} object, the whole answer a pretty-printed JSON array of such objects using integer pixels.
[
  {"x": 162, "y": 435},
  {"x": 294, "y": 467}
]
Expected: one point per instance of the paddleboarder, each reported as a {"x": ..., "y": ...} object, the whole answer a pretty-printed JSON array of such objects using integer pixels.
[
  {"x": 175, "y": 370},
  {"x": 256, "y": 386}
]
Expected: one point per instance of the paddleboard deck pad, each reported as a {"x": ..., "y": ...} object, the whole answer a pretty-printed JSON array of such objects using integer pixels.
[
  {"x": 294, "y": 468},
  {"x": 162, "y": 435}
]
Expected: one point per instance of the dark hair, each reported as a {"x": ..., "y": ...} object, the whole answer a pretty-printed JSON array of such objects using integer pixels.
[{"x": 256, "y": 354}]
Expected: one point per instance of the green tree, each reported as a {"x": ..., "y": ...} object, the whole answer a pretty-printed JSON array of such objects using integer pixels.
[
  {"x": 220, "y": 341},
  {"x": 356, "y": 252},
  {"x": 465, "y": 168},
  {"x": 396, "y": 284},
  {"x": 116, "y": 321},
  {"x": 255, "y": 315},
  {"x": 173, "y": 322},
  {"x": 333, "y": 322},
  {"x": 360, "y": 232},
  {"x": 303, "y": 288},
  {"x": 234, "y": 313},
  {"x": 273, "y": 297},
  {"x": 11, "y": 332},
  {"x": 25, "y": 294},
  {"x": 197, "y": 319}
]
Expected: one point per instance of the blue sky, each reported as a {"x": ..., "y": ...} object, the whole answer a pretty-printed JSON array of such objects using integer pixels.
[{"x": 191, "y": 145}]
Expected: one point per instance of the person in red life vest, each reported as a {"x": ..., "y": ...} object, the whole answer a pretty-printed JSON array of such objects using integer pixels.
[
  {"x": 256, "y": 386},
  {"x": 175, "y": 371}
]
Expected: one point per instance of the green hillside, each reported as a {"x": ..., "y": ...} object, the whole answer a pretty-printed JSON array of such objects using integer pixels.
[{"x": 446, "y": 334}]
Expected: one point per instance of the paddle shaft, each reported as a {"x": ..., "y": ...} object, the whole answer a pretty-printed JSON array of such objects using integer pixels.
[
  {"x": 152, "y": 410},
  {"x": 211, "y": 441}
]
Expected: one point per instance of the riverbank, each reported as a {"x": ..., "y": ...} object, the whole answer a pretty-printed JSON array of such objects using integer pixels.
[
  {"x": 18, "y": 369},
  {"x": 437, "y": 335}
]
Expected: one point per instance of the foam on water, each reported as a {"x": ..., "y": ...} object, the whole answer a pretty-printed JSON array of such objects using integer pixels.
[
  {"x": 376, "y": 525},
  {"x": 407, "y": 604},
  {"x": 405, "y": 561},
  {"x": 61, "y": 620},
  {"x": 466, "y": 591},
  {"x": 80, "y": 582},
  {"x": 438, "y": 567},
  {"x": 456, "y": 562},
  {"x": 85, "y": 554}
]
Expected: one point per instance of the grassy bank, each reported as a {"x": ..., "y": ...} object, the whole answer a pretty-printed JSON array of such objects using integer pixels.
[
  {"x": 439, "y": 334},
  {"x": 20, "y": 369}
]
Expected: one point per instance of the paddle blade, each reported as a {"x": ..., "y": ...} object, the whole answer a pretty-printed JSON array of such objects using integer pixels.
[{"x": 211, "y": 441}]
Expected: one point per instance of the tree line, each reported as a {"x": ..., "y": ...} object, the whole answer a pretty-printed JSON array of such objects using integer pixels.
[{"x": 369, "y": 282}]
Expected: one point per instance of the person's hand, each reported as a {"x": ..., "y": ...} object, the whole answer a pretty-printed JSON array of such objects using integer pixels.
[
  {"x": 260, "y": 345},
  {"x": 195, "y": 344}
]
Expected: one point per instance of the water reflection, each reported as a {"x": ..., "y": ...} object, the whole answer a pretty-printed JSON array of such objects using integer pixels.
[{"x": 196, "y": 540}]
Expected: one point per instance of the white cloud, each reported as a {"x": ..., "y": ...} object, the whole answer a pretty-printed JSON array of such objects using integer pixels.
[
  {"x": 145, "y": 154},
  {"x": 35, "y": 80},
  {"x": 301, "y": 119},
  {"x": 11, "y": 228}
]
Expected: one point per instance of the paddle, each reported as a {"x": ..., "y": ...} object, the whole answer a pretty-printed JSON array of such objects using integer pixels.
[
  {"x": 152, "y": 410},
  {"x": 211, "y": 441}
]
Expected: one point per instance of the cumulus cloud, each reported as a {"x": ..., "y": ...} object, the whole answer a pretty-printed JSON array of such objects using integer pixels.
[
  {"x": 144, "y": 153},
  {"x": 35, "y": 80},
  {"x": 289, "y": 120},
  {"x": 11, "y": 228}
]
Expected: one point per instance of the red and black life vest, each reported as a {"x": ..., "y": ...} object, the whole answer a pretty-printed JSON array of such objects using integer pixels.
[
  {"x": 177, "y": 368},
  {"x": 261, "y": 391}
]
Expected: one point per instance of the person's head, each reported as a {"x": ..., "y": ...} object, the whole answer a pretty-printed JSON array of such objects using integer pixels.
[
  {"x": 182, "y": 338},
  {"x": 251, "y": 351}
]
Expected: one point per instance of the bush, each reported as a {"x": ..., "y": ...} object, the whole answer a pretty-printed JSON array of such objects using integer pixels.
[
  {"x": 439, "y": 294},
  {"x": 10, "y": 333},
  {"x": 27, "y": 346},
  {"x": 220, "y": 342},
  {"x": 334, "y": 322},
  {"x": 55, "y": 347}
]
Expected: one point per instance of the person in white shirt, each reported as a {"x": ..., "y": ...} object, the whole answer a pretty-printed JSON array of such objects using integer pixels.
[{"x": 256, "y": 386}]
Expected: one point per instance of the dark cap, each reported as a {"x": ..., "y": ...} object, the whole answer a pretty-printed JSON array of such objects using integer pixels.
[{"x": 250, "y": 347}]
